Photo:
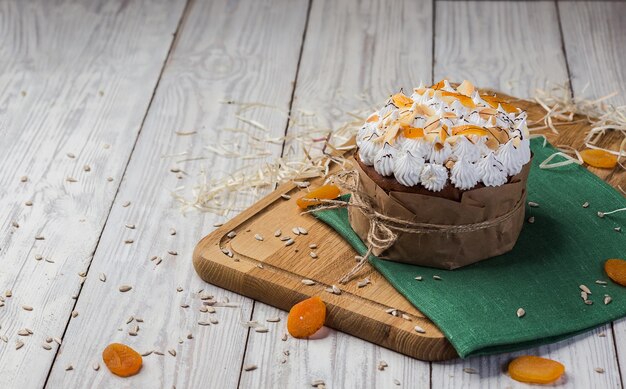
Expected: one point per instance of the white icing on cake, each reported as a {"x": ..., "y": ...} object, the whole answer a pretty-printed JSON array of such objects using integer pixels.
[
  {"x": 491, "y": 171},
  {"x": 464, "y": 174},
  {"x": 384, "y": 160},
  {"x": 408, "y": 168},
  {"x": 434, "y": 176}
]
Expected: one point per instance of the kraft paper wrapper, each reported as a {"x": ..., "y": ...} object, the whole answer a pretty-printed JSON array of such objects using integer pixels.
[{"x": 447, "y": 250}]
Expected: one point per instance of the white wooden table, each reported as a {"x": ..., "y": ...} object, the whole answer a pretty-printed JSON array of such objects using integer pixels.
[{"x": 92, "y": 94}]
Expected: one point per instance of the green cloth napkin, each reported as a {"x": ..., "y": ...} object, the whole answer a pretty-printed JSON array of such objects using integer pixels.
[{"x": 566, "y": 246}]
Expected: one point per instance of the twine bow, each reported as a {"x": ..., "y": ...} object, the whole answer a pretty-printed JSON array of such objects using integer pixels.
[{"x": 384, "y": 230}]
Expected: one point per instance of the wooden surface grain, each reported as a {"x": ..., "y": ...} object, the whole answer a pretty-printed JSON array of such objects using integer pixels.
[
  {"x": 224, "y": 50},
  {"x": 76, "y": 79},
  {"x": 78, "y": 75}
]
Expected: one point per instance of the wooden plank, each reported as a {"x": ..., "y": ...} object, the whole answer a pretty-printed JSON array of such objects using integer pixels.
[
  {"x": 243, "y": 50},
  {"x": 271, "y": 271},
  {"x": 514, "y": 63},
  {"x": 76, "y": 79},
  {"x": 356, "y": 53},
  {"x": 593, "y": 34}
]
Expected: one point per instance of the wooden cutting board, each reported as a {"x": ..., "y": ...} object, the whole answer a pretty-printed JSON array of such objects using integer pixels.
[{"x": 271, "y": 272}]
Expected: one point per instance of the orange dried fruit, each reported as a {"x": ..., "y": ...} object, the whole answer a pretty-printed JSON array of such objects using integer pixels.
[
  {"x": 306, "y": 317},
  {"x": 469, "y": 129},
  {"x": 449, "y": 97},
  {"x": 535, "y": 370},
  {"x": 439, "y": 85},
  {"x": 493, "y": 101},
  {"x": 616, "y": 270},
  {"x": 413, "y": 132},
  {"x": 122, "y": 360},
  {"x": 326, "y": 192},
  {"x": 401, "y": 100},
  {"x": 599, "y": 158},
  {"x": 373, "y": 118}
]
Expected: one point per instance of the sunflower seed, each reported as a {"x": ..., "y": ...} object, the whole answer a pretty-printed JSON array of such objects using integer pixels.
[
  {"x": 102, "y": 277},
  {"x": 71, "y": 179},
  {"x": 49, "y": 260},
  {"x": 130, "y": 226},
  {"x": 588, "y": 302},
  {"x": 419, "y": 278},
  {"x": 28, "y": 203},
  {"x": 227, "y": 252},
  {"x": 172, "y": 352},
  {"x": 203, "y": 323},
  {"x": 158, "y": 262},
  {"x": 533, "y": 204},
  {"x": 585, "y": 204},
  {"x": 69, "y": 367},
  {"x": 184, "y": 305},
  {"x": 583, "y": 295},
  {"x": 599, "y": 370},
  {"x": 284, "y": 337},
  {"x": 57, "y": 341},
  {"x": 95, "y": 366},
  {"x": 295, "y": 231},
  {"x": 285, "y": 238},
  {"x": 259, "y": 265},
  {"x": 172, "y": 252},
  {"x": 289, "y": 242},
  {"x": 285, "y": 196},
  {"x": 190, "y": 336},
  {"x": 313, "y": 254},
  {"x": 437, "y": 278},
  {"x": 23, "y": 332},
  {"x": 363, "y": 282},
  {"x": 48, "y": 340},
  {"x": 70, "y": 155},
  {"x": 23, "y": 178},
  {"x": 303, "y": 231},
  {"x": 231, "y": 234},
  {"x": 312, "y": 246},
  {"x": 419, "y": 329},
  {"x": 600, "y": 282},
  {"x": 275, "y": 319},
  {"x": 4, "y": 338},
  {"x": 333, "y": 289},
  {"x": 277, "y": 233},
  {"x": 129, "y": 320},
  {"x": 74, "y": 313},
  {"x": 30, "y": 332},
  {"x": 175, "y": 170},
  {"x": 209, "y": 309},
  {"x": 520, "y": 312},
  {"x": 470, "y": 370},
  {"x": 179, "y": 289},
  {"x": 396, "y": 381},
  {"x": 126, "y": 204},
  {"x": 308, "y": 282},
  {"x": 125, "y": 288},
  {"x": 19, "y": 344},
  {"x": 218, "y": 224},
  {"x": 600, "y": 214},
  {"x": 317, "y": 383},
  {"x": 109, "y": 179},
  {"x": 129, "y": 241},
  {"x": 261, "y": 329},
  {"x": 249, "y": 367},
  {"x": 139, "y": 320},
  {"x": 172, "y": 231},
  {"x": 15, "y": 224},
  {"x": 607, "y": 299},
  {"x": 40, "y": 237},
  {"x": 46, "y": 346},
  {"x": 27, "y": 308},
  {"x": 585, "y": 289},
  {"x": 618, "y": 229},
  {"x": 258, "y": 237},
  {"x": 382, "y": 365},
  {"x": 531, "y": 219},
  {"x": 87, "y": 168}
]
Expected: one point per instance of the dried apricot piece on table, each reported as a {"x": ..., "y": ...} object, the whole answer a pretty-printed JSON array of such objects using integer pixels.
[
  {"x": 535, "y": 370},
  {"x": 599, "y": 158},
  {"x": 122, "y": 360},
  {"x": 616, "y": 270},
  {"x": 326, "y": 192},
  {"x": 306, "y": 317}
]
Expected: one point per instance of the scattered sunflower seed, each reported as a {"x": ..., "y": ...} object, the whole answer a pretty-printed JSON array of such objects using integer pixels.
[
  {"x": 23, "y": 178},
  {"x": 231, "y": 234},
  {"x": 172, "y": 231},
  {"x": 396, "y": 382},
  {"x": 531, "y": 219},
  {"x": 109, "y": 179},
  {"x": 363, "y": 282},
  {"x": 19, "y": 344},
  {"x": 249, "y": 367},
  {"x": 599, "y": 370},
  {"x": 46, "y": 346},
  {"x": 437, "y": 278},
  {"x": 204, "y": 323},
  {"x": 126, "y": 204},
  {"x": 57, "y": 340},
  {"x": 382, "y": 365},
  {"x": 87, "y": 168},
  {"x": 27, "y": 308},
  {"x": 69, "y": 367},
  {"x": 533, "y": 204},
  {"x": 190, "y": 336},
  {"x": 48, "y": 340},
  {"x": 418, "y": 278},
  {"x": 520, "y": 312},
  {"x": 585, "y": 289},
  {"x": 71, "y": 179},
  {"x": 70, "y": 155},
  {"x": 172, "y": 252},
  {"x": 289, "y": 242},
  {"x": 74, "y": 313},
  {"x": 317, "y": 383},
  {"x": 39, "y": 237},
  {"x": 419, "y": 329},
  {"x": 295, "y": 230},
  {"x": 273, "y": 319},
  {"x": 179, "y": 289},
  {"x": 130, "y": 226},
  {"x": 602, "y": 335},
  {"x": 308, "y": 282},
  {"x": 8, "y": 293},
  {"x": 285, "y": 196},
  {"x": 172, "y": 352},
  {"x": 284, "y": 238},
  {"x": 588, "y": 302},
  {"x": 125, "y": 288},
  {"x": 277, "y": 233},
  {"x": 600, "y": 282},
  {"x": 600, "y": 214},
  {"x": 28, "y": 203},
  {"x": 15, "y": 224},
  {"x": 261, "y": 329},
  {"x": 129, "y": 241},
  {"x": 23, "y": 332},
  {"x": 585, "y": 204},
  {"x": 284, "y": 337},
  {"x": 49, "y": 260},
  {"x": 218, "y": 224},
  {"x": 130, "y": 319},
  {"x": 184, "y": 305},
  {"x": 333, "y": 289},
  {"x": 470, "y": 370},
  {"x": 258, "y": 237},
  {"x": 618, "y": 229},
  {"x": 584, "y": 296},
  {"x": 103, "y": 277},
  {"x": 312, "y": 246},
  {"x": 313, "y": 254},
  {"x": 303, "y": 231},
  {"x": 95, "y": 366},
  {"x": 607, "y": 299}
]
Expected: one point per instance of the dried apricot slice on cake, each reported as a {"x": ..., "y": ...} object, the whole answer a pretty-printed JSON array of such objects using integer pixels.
[
  {"x": 122, "y": 360},
  {"x": 599, "y": 158},
  {"x": 616, "y": 270},
  {"x": 535, "y": 370},
  {"x": 306, "y": 317}
]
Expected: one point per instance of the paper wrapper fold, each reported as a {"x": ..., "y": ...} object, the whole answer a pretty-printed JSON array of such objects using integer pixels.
[{"x": 447, "y": 250}]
